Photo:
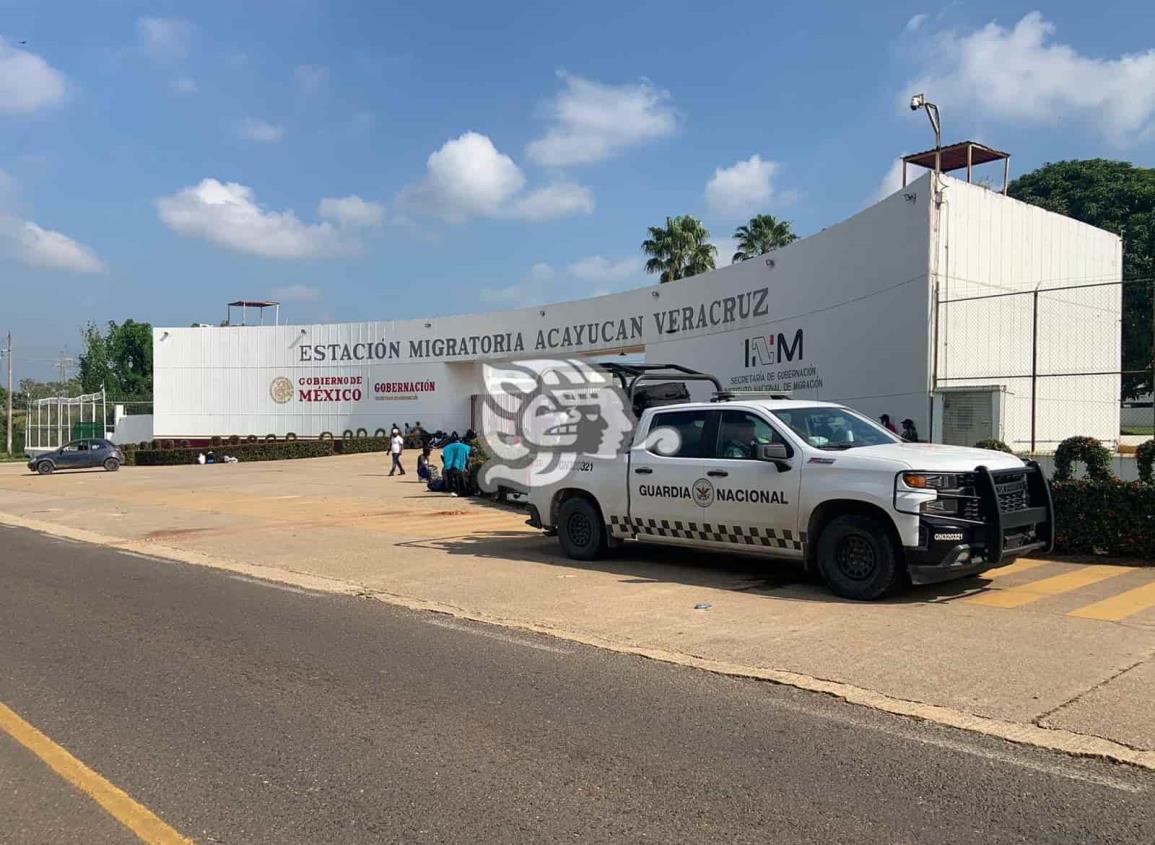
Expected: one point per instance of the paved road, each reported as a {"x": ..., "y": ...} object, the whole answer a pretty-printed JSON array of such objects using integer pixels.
[{"x": 241, "y": 712}]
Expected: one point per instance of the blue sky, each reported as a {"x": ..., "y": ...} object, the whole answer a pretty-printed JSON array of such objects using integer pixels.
[{"x": 371, "y": 160}]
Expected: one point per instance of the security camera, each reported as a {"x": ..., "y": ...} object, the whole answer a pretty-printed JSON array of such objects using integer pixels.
[{"x": 917, "y": 102}]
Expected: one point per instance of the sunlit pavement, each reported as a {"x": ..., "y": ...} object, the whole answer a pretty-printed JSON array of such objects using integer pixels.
[{"x": 1062, "y": 645}]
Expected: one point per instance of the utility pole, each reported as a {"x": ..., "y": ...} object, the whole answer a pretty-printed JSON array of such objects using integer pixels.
[{"x": 8, "y": 356}]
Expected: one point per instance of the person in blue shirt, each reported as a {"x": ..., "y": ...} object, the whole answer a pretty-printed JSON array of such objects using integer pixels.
[{"x": 455, "y": 459}]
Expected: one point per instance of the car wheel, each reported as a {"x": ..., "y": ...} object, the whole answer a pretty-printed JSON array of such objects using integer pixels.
[
  {"x": 111, "y": 464},
  {"x": 858, "y": 558},
  {"x": 581, "y": 530},
  {"x": 45, "y": 467}
]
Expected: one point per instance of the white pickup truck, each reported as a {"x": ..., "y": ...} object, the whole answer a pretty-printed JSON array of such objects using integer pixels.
[{"x": 798, "y": 479}]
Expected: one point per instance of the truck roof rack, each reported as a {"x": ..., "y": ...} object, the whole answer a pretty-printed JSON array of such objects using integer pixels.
[
  {"x": 633, "y": 376},
  {"x": 737, "y": 395}
]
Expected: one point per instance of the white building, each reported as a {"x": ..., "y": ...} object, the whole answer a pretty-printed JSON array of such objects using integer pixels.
[{"x": 848, "y": 314}]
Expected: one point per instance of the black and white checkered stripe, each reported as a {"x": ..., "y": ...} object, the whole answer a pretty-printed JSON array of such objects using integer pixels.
[{"x": 624, "y": 526}]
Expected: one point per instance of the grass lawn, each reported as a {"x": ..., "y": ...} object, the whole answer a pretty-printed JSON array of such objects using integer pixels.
[{"x": 1139, "y": 429}]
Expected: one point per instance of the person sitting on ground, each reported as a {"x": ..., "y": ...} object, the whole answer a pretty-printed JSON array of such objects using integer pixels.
[{"x": 425, "y": 468}]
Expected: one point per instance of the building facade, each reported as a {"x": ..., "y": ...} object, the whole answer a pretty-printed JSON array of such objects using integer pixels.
[{"x": 857, "y": 313}]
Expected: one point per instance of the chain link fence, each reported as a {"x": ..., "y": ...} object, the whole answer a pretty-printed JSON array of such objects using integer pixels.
[{"x": 1034, "y": 367}]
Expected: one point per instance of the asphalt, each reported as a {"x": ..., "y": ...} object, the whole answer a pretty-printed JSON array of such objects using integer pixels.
[{"x": 241, "y": 711}]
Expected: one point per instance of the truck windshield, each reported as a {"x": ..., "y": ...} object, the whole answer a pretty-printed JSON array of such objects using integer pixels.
[{"x": 834, "y": 428}]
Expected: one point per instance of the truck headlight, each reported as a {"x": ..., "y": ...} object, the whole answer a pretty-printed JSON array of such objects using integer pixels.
[{"x": 932, "y": 481}]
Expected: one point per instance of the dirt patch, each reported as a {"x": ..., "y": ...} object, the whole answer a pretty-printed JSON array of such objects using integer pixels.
[{"x": 172, "y": 534}]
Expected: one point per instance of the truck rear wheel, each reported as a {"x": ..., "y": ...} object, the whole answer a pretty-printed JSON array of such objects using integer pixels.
[
  {"x": 581, "y": 530},
  {"x": 858, "y": 558}
]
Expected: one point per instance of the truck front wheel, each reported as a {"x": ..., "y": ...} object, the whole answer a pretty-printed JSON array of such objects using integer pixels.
[
  {"x": 581, "y": 530},
  {"x": 858, "y": 559}
]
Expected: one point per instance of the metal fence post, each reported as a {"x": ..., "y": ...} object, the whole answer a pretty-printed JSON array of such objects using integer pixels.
[{"x": 1034, "y": 367}]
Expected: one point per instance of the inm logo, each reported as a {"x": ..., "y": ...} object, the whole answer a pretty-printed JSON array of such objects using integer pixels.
[{"x": 769, "y": 350}]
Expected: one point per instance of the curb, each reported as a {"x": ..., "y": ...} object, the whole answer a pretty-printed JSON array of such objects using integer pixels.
[{"x": 1053, "y": 739}]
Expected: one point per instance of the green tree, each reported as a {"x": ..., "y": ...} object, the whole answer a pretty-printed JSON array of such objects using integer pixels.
[
  {"x": 679, "y": 249},
  {"x": 94, "y": 371},
  {"x": 1118, "y": 197},
  {"x": 119, "y": 360},
  {"x": 761, "y": 235}
]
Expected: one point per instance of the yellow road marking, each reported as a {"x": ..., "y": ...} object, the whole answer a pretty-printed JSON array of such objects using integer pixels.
[
  {"x": 117, "y": 803},
  {"x": 1121, "y": 606},
  {"x": 1020, "y": 565},
  {"x": 1036, "y": 590}
]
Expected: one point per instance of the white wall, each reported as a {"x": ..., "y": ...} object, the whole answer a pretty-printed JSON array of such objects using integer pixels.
[
  {"x": 991, "y": 244},
  {"x": 133, "y": 428}
]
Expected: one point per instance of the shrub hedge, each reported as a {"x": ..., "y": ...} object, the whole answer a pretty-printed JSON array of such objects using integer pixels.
[
  {"x": 356, "y": 445},
  {"x": 994, "y": 445},
  {"x": 1090, "y": 451},
  {"x": 1144, "y": 455},
  {"x": 1105, "y": 517},
  {"x": 281, "y": 451}
]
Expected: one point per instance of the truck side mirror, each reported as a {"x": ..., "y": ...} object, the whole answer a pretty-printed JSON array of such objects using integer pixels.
[{"x": 774, "y": 453}]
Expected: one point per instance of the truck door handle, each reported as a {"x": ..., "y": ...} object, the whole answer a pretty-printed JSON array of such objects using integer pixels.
[
  {"x": 717, "y": 473},
  {"x": 643, "y": 470}
]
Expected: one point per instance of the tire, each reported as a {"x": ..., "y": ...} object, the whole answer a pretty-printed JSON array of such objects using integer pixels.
[
  {"x": 111, "y": 464},
  {"x": 45, "y": 467},
  {"x": 858, "y": 558},
  {"x": 580, "y": 529}
]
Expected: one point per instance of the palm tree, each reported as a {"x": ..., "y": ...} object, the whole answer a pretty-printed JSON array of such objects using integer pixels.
[
  {"x": 682, "y": 248},
  {"x": 761, "y": 235}
]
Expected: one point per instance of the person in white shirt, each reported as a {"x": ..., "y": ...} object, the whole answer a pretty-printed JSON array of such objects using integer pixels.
[{"x": 396, "y": 444}]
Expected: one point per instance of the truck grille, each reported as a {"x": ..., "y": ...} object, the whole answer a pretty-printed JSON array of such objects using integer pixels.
[{"x": 1011, "y": 488}]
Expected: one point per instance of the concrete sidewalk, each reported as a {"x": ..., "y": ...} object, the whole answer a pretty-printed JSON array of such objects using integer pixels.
[{"x": 1053, "y": 653}]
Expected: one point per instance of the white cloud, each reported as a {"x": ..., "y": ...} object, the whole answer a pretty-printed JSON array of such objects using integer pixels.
[
  {"x": 915, "y": 23},
  {"x": 742, "y": 188},
  {"x": 296, "y": 293},
  {"x": 593, "y": 121},
  {"x": 554, "y": 201},
  {"x": 260, "y": 131},
  {"x": 27, "y": 82},
  {"x": 1022, "y": 76},
  {"x": 164, "y": 39},
  {"x": 726, "y": 248},
  {"x": 891, "y": 182},
  {"x": 310, "y": 79},
  {"x": 598, "y": 269},
  {"x": 227, "y": 214},
  {"x": 184, "y": 85},
  {"x": 545, "y": 283},
  {"x": 34, "y": 246},
  {"x": 352, "y": 211},
  {"x": 468, "y": 177}
]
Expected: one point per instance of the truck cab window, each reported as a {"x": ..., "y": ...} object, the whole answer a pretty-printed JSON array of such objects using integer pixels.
[
  {"x": 741, "y": 431},
  {"x": 833, "y": 428},
  {"x": 680, "y": 434}
]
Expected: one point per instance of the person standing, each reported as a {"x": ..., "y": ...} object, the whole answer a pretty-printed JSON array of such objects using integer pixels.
[
  {"x": 455, "y": 459},
  {"x": 909, "y": 432},
  {"x": 887, "y": 424},
  {"x": 396, "y": 444}
]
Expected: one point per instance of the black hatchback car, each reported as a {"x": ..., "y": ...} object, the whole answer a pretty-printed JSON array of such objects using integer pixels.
[{"x": 79, "y": 454}]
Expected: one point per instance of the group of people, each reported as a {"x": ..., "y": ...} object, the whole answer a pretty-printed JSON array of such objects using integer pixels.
[
  {"x": 908, "y": 433},
  {"x": 455, "y": 454}
]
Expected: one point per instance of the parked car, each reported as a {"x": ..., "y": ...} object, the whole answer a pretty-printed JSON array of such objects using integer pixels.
[{"x": 79, "y": 454}]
